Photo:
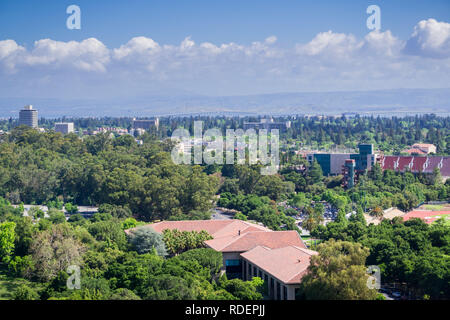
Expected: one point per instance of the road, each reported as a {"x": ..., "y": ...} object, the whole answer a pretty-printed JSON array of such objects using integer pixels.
[{"x": 220, "y": 215}]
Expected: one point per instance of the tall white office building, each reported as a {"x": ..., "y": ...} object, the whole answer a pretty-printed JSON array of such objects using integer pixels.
[{"x": 28, "y": 116}]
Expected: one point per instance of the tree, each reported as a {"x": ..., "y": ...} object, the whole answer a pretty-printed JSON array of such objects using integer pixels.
[
  {"x": 240, "y": 216},
  {"x": 24, "y": 292},
  {"x": 247, "y": 177},
  {"x": 71, "y": 208},
  {"x": 179, "y": 241},
  {"x": 436, "y": 177},
  {"x": 129, "y": 223},
  {"x": 337, "y": 273},
  {"x": 124, "y": 294},
  {"x": 273, "y": 187},
  {"x": 119, "y": 212},
  {"x": 109, "y": 231},
  {"x": 206, "y": 257},
  {"x": 314, "y": 173},
  {"x": 244, "y": 290},
  {"x": 7, "y": 237},
  {"x": 36, "y": 213},
  {"x": 56, "y": 216},
  {"x": 145, "y": 240},
  {"x": 314, "y": 217},
  {"x": 54, "y": 250},
  {"x": 377, "y": 212}
]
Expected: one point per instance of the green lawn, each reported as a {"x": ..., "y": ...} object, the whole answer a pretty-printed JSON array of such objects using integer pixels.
[
  {"x": 447, "y": 218},
  {"x": 434, "y": 207},
  {"x": 8, "y": 285}
]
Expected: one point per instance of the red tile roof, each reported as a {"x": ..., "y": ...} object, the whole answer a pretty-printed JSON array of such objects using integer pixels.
[
  {"x": 445, "y": 170},
  {"x": 427, "y": 215},
  {"x": 432, "y": 163},
  {"x": 418, "y": 164},
  {"x": 404, "y": 163},
  {"x": 389, "y": 162},
  {"x": 216, "y": 228},
  {"x": 414, "y": 150},
  {"x": 250, "y": 240},
  {"x": 288, "y": 264}
]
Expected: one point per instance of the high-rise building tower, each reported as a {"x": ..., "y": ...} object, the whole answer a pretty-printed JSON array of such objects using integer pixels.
[{"x": 28, "y": 116}]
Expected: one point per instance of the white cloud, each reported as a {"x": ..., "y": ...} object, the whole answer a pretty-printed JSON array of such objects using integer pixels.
[
  {"x": 382, "y": 43},
  {"x": 330, "y": 43},
  {"x": 87, "y": 55},
  {"x": 187, "y": 44},
  {"x": 271, "y": 40},
  {"x": 9, "y": 52},
  {"x": 330, "y": 61},
  {"x": 137, "y": 45},
  {"x": 430, "y": 39}
]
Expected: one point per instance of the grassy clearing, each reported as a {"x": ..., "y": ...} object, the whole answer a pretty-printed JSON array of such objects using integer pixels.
[
  {"x": 435, "y": 207},
  {"x": 446, "y": 218},
  {"x": 9, "y": 284}
]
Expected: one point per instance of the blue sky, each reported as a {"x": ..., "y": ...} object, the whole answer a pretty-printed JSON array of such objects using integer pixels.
[
  {"x": 214, "y": 47},
  {"x": 244, "y": 21}
]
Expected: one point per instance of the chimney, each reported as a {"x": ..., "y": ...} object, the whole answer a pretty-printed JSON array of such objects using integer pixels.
[{"x": 239, "y": 232}]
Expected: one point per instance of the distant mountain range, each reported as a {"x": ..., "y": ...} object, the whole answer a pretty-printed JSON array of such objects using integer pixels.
[{"x": 381, "y": 102}]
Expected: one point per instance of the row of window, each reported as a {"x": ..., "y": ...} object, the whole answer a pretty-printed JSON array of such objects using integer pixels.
[{"x": 252, "y": 271}]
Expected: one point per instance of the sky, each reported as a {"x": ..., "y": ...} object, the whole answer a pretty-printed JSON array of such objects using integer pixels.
[{"x": 220, "y": 48}]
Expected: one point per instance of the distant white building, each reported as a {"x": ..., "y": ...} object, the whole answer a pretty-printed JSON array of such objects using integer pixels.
[
  {"x": 146, "y": 124},
  {"x": 267, "y": 124},
  {"x": 64, "y": 127}
]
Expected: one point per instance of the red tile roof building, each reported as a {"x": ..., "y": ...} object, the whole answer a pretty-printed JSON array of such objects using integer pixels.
[
  {"x": 425, "y": 147},
  {"x": 249, "y": 240},
  {"x": 295, "y": 259},
  {"x": 417, "y": 164},
  {"x": 281, "y": 257},
  {"x": 414, "y": 151},
  {"x": 216, "y": 228}
]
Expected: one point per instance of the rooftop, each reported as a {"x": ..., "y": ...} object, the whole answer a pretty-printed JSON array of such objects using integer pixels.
[
  {"x": 216, "y": 228},
  {"x": 423, "y": 145},
  {"x": 295, "y": 261},
  {"x": 414, "y": 151},
  {"x": 251, "y": 239},
  {"x": 426, "y": 215}
]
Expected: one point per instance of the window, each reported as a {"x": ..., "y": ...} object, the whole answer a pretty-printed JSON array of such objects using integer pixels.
[
  {"x": 278, "y": 291},
  {"x": 285, "y": 292},
  {"x": 233, "y": 268},
  {"x": 272, "y": 288},
  {"x": 233, "y": 263},
  {"x": 297, "y": 294}
]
